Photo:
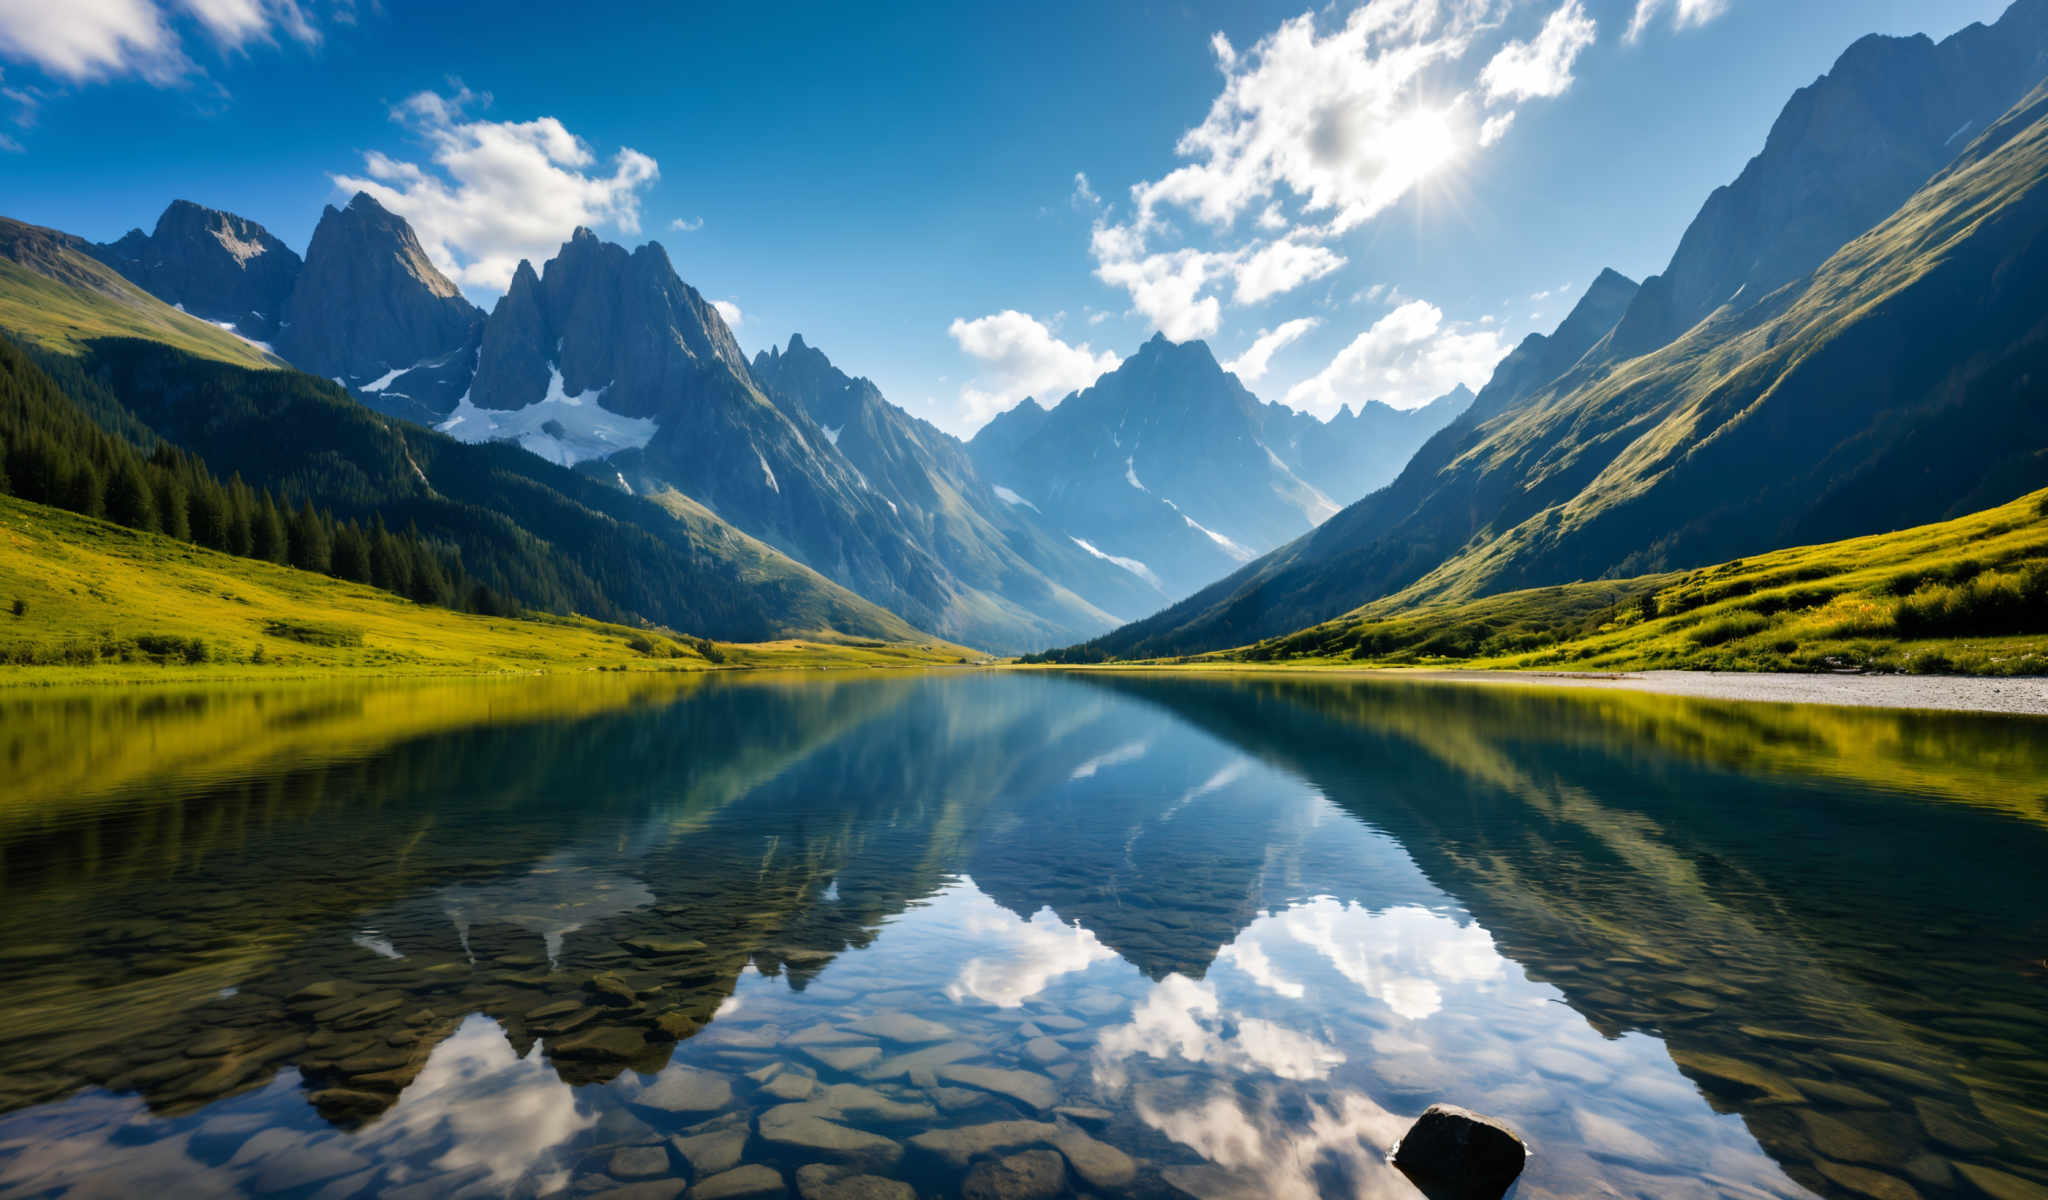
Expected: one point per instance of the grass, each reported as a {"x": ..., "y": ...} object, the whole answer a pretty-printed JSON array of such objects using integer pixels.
[
  {"x": 83, "y": 600},
  {"x": 67, "y": 316},
  {"x": 1967, "y": 596}
]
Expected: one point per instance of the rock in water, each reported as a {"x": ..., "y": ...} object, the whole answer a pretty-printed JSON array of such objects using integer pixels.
[{"x": 1455, "y": 1154}]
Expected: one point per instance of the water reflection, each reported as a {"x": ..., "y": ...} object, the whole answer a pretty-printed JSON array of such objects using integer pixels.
[{"x": 1213, "y": 937}]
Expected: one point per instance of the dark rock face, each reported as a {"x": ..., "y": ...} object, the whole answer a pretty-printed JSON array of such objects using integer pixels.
[
  {"x": 369, "y": 302},
  {"x": 606, "y": 318},
  {"x": 1453, "y": 1153},
  {"x": 218, "y": 266},
  {"x": 1844, "y": 153}
]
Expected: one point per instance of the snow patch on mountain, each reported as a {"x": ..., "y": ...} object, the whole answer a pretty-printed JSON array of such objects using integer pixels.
[
  {"x": 763, "y": 460},
  {"x": 1231, "y": 548},
  {"x": 229, "y": 326},
  {"x": 1129, "y": 564},
  {"x": 1131, "y": 472},
  {"x": 832, "y": 433},
  {"x": 1009, "y": 497},
  {"x": 561, "y": 428}
]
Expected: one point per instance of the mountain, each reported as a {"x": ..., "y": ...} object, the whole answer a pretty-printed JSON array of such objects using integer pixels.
[
  {"x": 927, "y": 477},
  {"x": 606, "y": 359},
  {"x": 1540, "y": 358},
  {"x": 1170, "y": 467},
  {"x": 1846, "y": 151},
  {"x": 370, "y": 310},
  {"x": 547, "y": 537},
  {"x": 56, "y": 293},
  {"x": 222, "y": 268},
  {"x": 1361, "y": 448},
  {"x": 1894, "y": 386}
]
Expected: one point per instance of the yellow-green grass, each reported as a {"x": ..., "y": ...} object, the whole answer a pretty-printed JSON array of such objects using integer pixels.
[
  {"x": 1961, "y": 596},
  {"x": 95, "y": 302},
  {"x": 102, "y": 603}
]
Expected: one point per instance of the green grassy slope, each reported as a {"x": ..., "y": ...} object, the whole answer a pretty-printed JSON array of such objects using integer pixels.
[
  {"x": 56, "y": 296},
  {"x": 1967, "y": 595},
  {"x": 102, "y": 602},
  {"x": 1898, "y": 384}
]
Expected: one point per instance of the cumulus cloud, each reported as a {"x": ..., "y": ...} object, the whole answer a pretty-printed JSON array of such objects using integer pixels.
[
  {"x": 1685, "y": 14},
  {"x": 499, "y": 191},
  {"x": 84, "y": 40},
  {"x": 1020, "y": 357},
  {"x": 1540, "y": 68},
  {"x": 730, "y": 312},
  {"x": 1251, "y": 365},
  {"x": 1320, "y": 126},
  {"x": 1408, "y": 358},
  {"x": 686, "y": 224},
  {"x": 1281, "y": 266}
]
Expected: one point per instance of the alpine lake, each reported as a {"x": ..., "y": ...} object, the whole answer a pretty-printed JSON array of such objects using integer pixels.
[{"x": 1005, "y": 934}]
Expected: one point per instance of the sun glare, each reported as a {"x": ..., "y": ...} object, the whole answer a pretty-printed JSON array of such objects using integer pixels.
[{"x": 1418, "y": 144}]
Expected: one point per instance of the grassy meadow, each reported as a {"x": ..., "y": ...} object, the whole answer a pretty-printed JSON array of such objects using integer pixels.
[
  {"x": 84, "y": 600},
  {"x": 1967, "y": 596}
]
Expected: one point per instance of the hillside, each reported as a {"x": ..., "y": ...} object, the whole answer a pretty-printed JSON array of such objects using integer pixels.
[
  {"x": 56, "y": 295},
  {"x": 83, "y": 599},
  {"x": 1894, "y": 386},
  {"x": 545, "y": 537},
  {"x": 1968, "y": 595}
]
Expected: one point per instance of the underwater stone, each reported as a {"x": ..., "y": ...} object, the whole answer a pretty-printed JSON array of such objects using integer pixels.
[{"x": 1032, "y": 1175}]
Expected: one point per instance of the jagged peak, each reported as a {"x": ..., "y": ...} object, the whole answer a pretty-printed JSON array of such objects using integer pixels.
[
  {"x": 583, "y": 233},
  {"x": 796, "y": 342}
]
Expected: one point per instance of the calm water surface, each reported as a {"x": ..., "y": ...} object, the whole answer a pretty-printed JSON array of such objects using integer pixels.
[{"x": 1160, "y": 936}]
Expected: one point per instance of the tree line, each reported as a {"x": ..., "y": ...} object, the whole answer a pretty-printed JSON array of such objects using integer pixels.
[{"x": 54, "y": 452}]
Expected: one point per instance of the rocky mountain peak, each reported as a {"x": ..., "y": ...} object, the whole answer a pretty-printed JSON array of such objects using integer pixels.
[
  {"x": 369, "y": 301},
  {"x": 214, "y": 264}
]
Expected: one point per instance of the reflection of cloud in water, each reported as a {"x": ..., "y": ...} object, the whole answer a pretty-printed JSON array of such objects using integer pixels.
[
  {"x": 1129, "y": 752},
  {"x": 1399, "y": 956},
  {"x": 1021, "y": 957},
  {"x": 1182, "y": 1018},
  {"x": 483, "y": 1106},
  {"x": 1253, "y": 1152},
  {"x": 556, "y": 898}
]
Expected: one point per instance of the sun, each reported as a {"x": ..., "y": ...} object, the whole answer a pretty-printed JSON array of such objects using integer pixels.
[{"x": 1418, "y": 144}]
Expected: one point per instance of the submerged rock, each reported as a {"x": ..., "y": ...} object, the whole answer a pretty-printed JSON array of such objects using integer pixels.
[
  {"x": 820, "y": 1181},
  {"x": 1032, "y": 1175},
  {"x": 750, "y": 1180},
  {"x": 1452, "y": 1153}
]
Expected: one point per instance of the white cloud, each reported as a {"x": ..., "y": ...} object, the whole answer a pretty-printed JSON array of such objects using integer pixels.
[
  {"x": 1020, "y": 357},
  {"x": 1408, "y": 358},
  {"x": 1540, "y": 68},
  {"x": 1686, "y": 14},
  {"x": 1282, "y": 266},
  {"x": 499, "y": 191},
  {"x": 1084, "y": 197},
  {"x": 1251, "y": 365},
  {"x": 1319, "y": 127},
  {"x": 734, "y": 318},
  {"x": 83, "y": 40},
  {"x": 686, "y": 224}
]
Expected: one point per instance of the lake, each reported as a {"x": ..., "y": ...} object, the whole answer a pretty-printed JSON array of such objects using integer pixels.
[{"x": 999, "y": 933}]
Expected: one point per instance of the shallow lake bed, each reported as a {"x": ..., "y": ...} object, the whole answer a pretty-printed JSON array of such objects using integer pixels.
[{"x": 1117, "y": 935}]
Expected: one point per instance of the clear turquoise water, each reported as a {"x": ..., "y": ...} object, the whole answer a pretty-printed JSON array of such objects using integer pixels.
[{"x": 1162, "y": 936}]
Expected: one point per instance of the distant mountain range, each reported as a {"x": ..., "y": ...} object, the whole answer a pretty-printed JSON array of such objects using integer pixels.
[
  {"x": 1170, "y": 467},
  {"x": 1844, "y": 341},
  {"x": 1851, "y": 338},
  {"x": 603, "y": 361}
]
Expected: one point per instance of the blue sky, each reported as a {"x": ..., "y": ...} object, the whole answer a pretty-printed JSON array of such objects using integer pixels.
[{"x": 1393, "y": 194}]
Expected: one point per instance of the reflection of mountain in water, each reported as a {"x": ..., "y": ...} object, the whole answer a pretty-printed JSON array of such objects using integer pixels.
[
  {"x": 1847, "y": 970},
  {"x": 598, "y": 885}
]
